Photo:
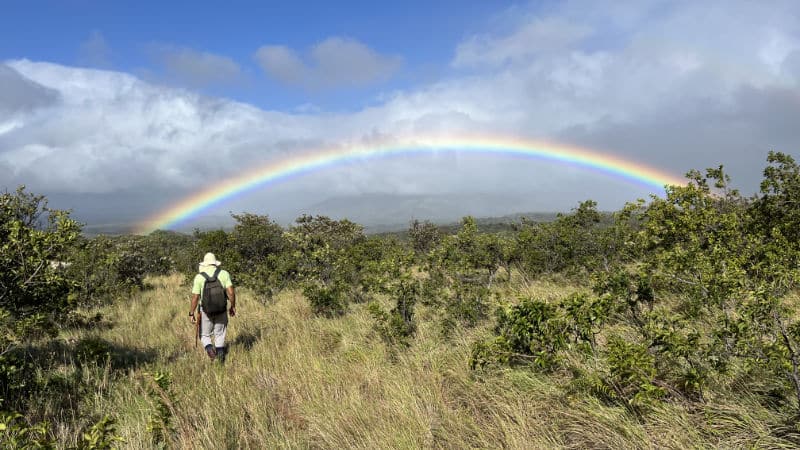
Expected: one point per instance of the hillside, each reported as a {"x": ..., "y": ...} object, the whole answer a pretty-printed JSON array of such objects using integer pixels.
[{"x": 298, "y": 381}]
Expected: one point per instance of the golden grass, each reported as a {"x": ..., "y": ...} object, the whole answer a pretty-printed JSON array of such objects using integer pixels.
[{"x": 297, "y": 381}]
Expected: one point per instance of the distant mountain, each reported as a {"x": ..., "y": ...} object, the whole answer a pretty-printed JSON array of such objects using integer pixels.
[
  {"x": 114, "y": 229},
  {"x": 378, "y": 211}
]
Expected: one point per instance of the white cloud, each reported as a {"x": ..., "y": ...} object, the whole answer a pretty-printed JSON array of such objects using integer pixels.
[
  {"x": 196, "y": 68},
  {"x": 532, "y": 38},
  {"x": 334, "y": 62}
]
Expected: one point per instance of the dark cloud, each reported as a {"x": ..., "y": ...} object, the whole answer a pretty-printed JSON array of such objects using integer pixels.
[{"x": 737, "y": 133}]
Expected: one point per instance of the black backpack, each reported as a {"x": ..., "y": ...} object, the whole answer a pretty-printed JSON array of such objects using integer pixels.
[{"x": 215, "y": 299}]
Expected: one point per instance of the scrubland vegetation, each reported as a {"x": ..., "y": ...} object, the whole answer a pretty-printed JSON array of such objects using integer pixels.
[{"x": 671, "y": 323}]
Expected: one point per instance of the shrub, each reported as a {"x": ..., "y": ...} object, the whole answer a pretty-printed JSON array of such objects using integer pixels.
[
  {"x": 262, "y": 260},
  {"x": 33, "y": 244},
  {"x": 326, "y": 300},
  {"x": 105, "y": 269},
  {"x": 425, "y": 236},
  {"x": 398, "y": 326},
  {"x": 631, "y": 373}
]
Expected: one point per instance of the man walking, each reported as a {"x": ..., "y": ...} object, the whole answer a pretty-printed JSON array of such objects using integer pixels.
[{"x": 213, "y": 288}]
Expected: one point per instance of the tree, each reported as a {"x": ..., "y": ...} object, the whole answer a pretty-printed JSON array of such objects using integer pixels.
[
  {"x": 460, "y": 273},
  {"x": 33, "y": 243},
  {"x": 577, "y": 242},
  {"x": 34, "y": 288},
  {"x": 775, "y": 331},
  {"x": 424, "y": 236},
  {"x": 262, "y": 254},
  {"x": 732, "y": 262},
  {"x": 320, "y": 247}
]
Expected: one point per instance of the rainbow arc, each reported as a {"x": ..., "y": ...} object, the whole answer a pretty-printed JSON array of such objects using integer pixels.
[{"x": 307, "y": 162}]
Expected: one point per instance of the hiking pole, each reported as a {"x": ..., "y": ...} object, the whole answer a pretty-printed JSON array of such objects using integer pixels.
[{"x": 197, "y": 319}]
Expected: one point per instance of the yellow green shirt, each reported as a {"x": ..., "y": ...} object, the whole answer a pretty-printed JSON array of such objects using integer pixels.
[{"x": 198, "y": 282}]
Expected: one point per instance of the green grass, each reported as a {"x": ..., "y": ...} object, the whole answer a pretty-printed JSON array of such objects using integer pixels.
[{"x": 297, "y": 381}]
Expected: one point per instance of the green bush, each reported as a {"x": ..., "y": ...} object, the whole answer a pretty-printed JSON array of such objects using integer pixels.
[
  {"x": 105, "y": 269},
  {"x": 34, "y": 240},
  {"x": 262, "y": 260},
  {"x": 583, "y": 241},
  {"x": 425, "y": 236},
  {"x": 93, "y": 350},
  {"x": 398, "y": 326},
  {"x": 631, "y": 373},
  {"x": 326, "y": 300},
  {"x": 15, "y": 432}
]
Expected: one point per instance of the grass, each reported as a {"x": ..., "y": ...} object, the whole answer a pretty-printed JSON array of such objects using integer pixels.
[{"x": 297, "y": 381}]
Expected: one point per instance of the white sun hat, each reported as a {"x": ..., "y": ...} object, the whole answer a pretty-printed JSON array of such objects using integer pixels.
[{"x": 209, "y": 260}]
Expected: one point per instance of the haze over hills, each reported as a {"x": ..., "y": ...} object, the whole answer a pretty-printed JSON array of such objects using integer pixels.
[
  {"x": 377, "y": 212},
  {"x": 392, "y": 209}
]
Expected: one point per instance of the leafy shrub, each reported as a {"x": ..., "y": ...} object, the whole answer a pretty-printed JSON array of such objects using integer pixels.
[
  {"x": 460, "y": 275},
  {"x": 15, "y": 432},
  {"x": 159, "y": 388},
  {"x": 33, "y": 243},
  {"x": 582, "y": 241},
  {"x": 534, "y": 330},
  {"x": 585, "y": 316},
  {"x": 492, "y": 352},
  {"x": 34, "y": 240},
  {"x": 105, "y": 269},
  {"x": 425, "y": 236},
  {"x": 329, "y": 261},
  {"x": 537, "y": 332},
  {"x": 465, "y": 306},
  {"x": 398, "y": 326},
  {"x": 93, "y": 350},
  {"x": 631, "y": 373},
  {"x": 326, "y": 300},
  {"x": 100, "y": 436},
  {"x": 262, "y": 260}
]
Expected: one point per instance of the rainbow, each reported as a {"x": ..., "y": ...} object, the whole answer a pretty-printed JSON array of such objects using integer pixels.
[{"x": 276, "y": 171}]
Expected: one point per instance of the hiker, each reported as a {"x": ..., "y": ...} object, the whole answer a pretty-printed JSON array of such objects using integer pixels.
[{"x": 213, "y": 287}]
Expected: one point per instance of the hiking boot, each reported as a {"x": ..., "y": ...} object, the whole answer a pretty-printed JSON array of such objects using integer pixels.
[
  {"x": 211, "y": 352},
  {"x": 221, "y": 352}
]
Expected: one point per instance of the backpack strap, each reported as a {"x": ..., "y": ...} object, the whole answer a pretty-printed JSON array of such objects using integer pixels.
[{"x": 213, "y": 277}]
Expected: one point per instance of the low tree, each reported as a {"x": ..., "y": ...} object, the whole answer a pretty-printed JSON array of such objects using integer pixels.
[
  {"x": 34, "y": 292},
  {"x": 425, "y": 236},
  {"x": 263, "y": 259},
  {"x": 320, "y": 247},
  {"x": 34, "y": 240},
  {"x": 460, "y": 273},
  {"x": 568, "y": 244}
]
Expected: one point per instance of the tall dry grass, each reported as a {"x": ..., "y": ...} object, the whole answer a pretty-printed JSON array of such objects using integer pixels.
[{"x": 297, "y": 381}]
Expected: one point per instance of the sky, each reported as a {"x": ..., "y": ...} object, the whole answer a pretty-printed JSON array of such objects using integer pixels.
[{"x": 119, "y": 110}]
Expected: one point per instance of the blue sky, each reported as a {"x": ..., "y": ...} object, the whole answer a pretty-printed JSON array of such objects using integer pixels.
[
  {"x": 422, "y": 33},
  {"x": 116, "y": 109}
]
